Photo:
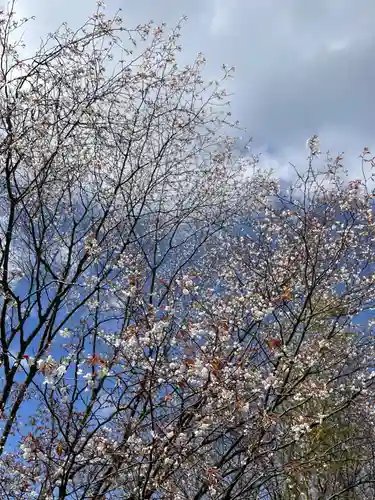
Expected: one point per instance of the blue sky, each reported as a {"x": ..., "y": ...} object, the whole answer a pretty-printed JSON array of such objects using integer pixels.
[{"x": 302, "y": 67}]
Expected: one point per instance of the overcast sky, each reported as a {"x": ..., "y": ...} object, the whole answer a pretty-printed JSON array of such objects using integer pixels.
[{"x": 303, "y": 67}]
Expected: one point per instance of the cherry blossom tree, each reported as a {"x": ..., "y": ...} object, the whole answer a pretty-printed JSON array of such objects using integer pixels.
[{"x": 173, "y": 323}]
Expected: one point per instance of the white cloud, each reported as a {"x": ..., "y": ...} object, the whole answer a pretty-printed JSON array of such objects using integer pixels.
[{"x": 301, "y": 67}]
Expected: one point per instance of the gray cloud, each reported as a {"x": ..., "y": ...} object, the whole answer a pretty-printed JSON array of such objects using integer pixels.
[{"x": 301, "y": 67}]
